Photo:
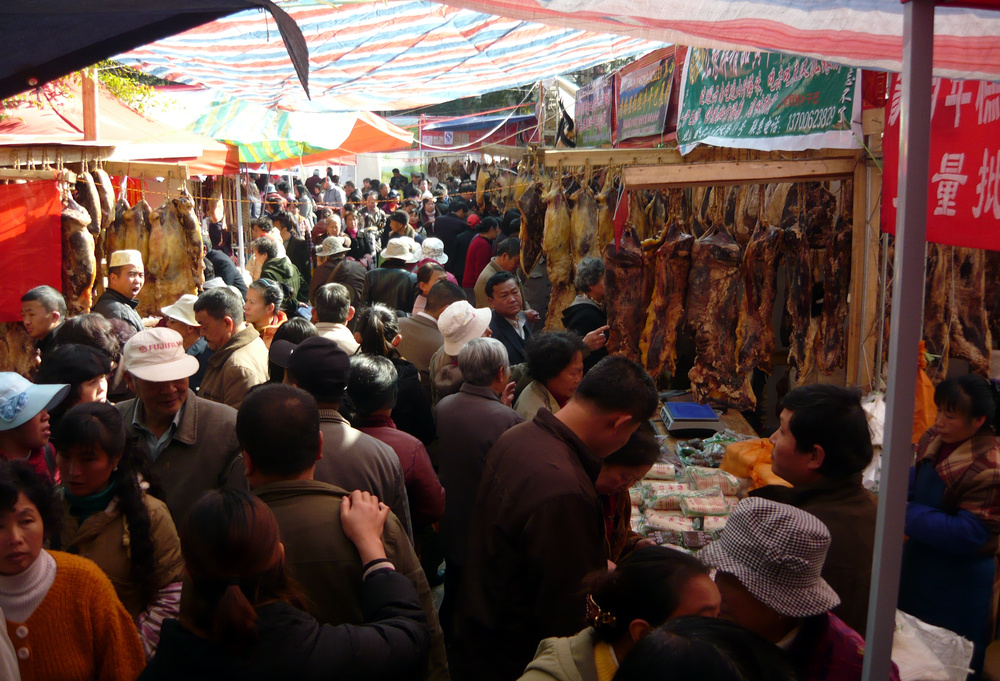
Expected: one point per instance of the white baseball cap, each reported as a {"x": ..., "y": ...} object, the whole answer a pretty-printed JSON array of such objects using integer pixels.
[
  {"x": 460, "y": 323},
  {"x": 158, "y": 355},
  {"x": 21, "y": 400},
  {"x": 126, "y": 257},
  {"x": 182, "y": 310}
]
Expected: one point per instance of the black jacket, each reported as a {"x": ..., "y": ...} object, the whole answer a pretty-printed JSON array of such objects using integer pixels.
[
  {"x": 582, "y": 317},
  {"x": 226, "y": 270},
  {"x": 293, "y": 645},
  {"x": 446, "y": 228},
  {"x": 460, "y": 249},
  {"x": 113, "y": 305},
  {"x": 391, "y": 286},
  {"x": 504, "y": 332},
  {"x": 297, "y": 250},
  {"x": 412, "y": 412},
  {"x": 340, "y": 270}
]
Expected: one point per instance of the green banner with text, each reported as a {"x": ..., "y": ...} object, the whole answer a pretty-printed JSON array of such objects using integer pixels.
[{"x": 768, "y": 101}]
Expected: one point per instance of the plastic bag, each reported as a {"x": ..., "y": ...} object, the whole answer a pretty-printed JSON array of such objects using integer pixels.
[
  {"x": 666, "y": 520},
  {"x": 924, "y": 652},
  {"x": 662, "y": 471},
  {"x": 704, "y": 503},
  {"x": 700, "y": 477}
]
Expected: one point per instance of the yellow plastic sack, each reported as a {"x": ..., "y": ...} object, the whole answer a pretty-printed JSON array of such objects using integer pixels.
[
  {"x": 741, "y": 457},
  {"x": 763, "y": 475},
  {"x": 924, "y": 409}
]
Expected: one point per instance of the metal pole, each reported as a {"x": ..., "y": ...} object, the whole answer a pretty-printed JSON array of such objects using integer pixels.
[
  {"x": 905, "y": 332},
  {"x": 239, "y": 222}
]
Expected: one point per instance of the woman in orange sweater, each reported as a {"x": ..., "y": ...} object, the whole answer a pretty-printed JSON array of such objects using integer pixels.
[{"x": 62, "y": 614}]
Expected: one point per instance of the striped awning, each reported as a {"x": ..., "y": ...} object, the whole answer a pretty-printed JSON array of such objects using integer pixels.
[
  {"x": 376, "y": 56},
  {"x": 864, "y": 33}
]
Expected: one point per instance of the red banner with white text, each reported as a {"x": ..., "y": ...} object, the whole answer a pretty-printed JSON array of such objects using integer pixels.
[{"x": 963, "y": 197}]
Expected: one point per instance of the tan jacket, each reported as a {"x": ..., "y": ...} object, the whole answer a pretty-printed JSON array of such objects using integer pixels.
[
  {"x": 104, "y": 539},
  {"x": 240, "y": 364},
  {"x": 533, "y": 398},
  {"x": 493, "y": 268}
]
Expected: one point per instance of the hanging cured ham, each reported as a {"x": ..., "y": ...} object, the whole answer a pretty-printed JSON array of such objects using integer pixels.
[
  {"x": 607, "y": 202},
  {"x": 755, "y": 332},
  {"x": 558, "y": 243},
  {"x": 625, "y": 287},
  {"x": 130, "y": 229},
  {"x": 970, "y": 332},
  {"x": 712, "y": 315},
  {"x": 532, "y": 208},
  {"x": 672, "y": 264},
  {"x": 175, "y": 264},
  {"x": 937, "y": 309},
  {"x": 106, "y": 195},
  {"x": 584, "y": 221},
  {"x": 17, "y": 350},
  {"x": 79, "y": 266},
  {"x": 830, "y": 352}
]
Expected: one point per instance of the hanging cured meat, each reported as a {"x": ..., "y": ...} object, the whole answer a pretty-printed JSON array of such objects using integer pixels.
[
  {"x": 712, "y": 315},
  {"x": 607, "y": 202},
  {"x": 79, "y": 267},
  {"x": 106, "y": 195},
  {"x": 557, "y": 241},
  {"x": 638, "y": 215},
  {"x": 937, "y": 309},
  {"x": 798, "y": 304},
  {"x": 970, "y": 333},
  {"x": 87, "y": 197},
  {"x": 532, "y": 208},
  {"x": 748, "y": 212},
  {"x": 626, "y": 290},
  {"x": 584, "y": 222},
  {"x": 755, "y": 332},
  {"x": 130, "y": 229},
  {"x": 175, "y": 264},
  {"x": 992, "y": 301},
  {"x": 672, "y": 264},
  {"x": 830, "y": 352},
  {"x": 17, "y": 350}
]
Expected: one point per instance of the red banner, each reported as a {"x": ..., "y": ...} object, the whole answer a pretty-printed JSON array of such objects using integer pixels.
[
  {"x": 30, "y": 242},
  {"x": 963, "y": 197}
]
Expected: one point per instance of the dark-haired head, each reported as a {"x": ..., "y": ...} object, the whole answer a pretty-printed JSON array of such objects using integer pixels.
[
  {"x": 966, "y": 404},
  {"x": 649, "y": 586},
  {"x": 295, "y": 330},
  {"x": 84, "y": 368},
  {"x": 829, "y": 417},
  {"x": 373, "y": 384},
  {"x": 441, "y": 295},
  {"x": 278, "y": 428},
  {"x": 17, "y": 478},
  {"x": 549, "y": 354},
  {"x": 232, "y": 551},
  {"x": 91, "y": 329},
  {"x": 626, "y": 466},
  {"x": 707, "y": 649},
  {"x": 333, "y": 304},
  {"x": 378, "y": 327},
  {"x": 616, "y": 384}
]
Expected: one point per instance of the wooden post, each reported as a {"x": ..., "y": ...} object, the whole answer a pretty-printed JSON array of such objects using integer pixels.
[
  {"x": 91, "y": 110},
  {"x": 859, "y": 272}
]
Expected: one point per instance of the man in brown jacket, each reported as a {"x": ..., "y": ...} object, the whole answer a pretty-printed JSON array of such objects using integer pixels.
[
  {"x": 538, "y": 525},
  {"x": 190, "y": 441},
  {"x": 821, "y": 448},
  {"x": 279, "y": 429},
  {"x": 240, "y": 359},
  {"x": 420, "y": 335}
]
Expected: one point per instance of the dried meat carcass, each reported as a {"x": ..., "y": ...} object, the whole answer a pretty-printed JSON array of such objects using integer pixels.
[
  {"x": 557, "y": 241},
  {"x": 130, "y": 229},
  {"x": 755, "y": 332},
  {"x": 583, "y": 219},
  {"x": 175, "y": 266},
  {"x": 637, "y": 214},
  {"x": 798, "y": 303},
  {"x": 992, "y": 301},
  {"x": 17, "y": 350},
  {"x": 79, "y": 266},
  {"x": 970, "y": 332},
  {"x": 712, "y": 315},
  {"x": 836, "y": 287},
  {"x": 532, "y": 207},
  {"x": 607, "y": 203},
  {"x": 748, "y": 212},
  {"x": 90, "y": 201},
  {"x": 627, "y": 294},
  {"x": 672, "y": 264},
  {"x": 938, "y": 308},
  {"x": 432, "y": 168}
]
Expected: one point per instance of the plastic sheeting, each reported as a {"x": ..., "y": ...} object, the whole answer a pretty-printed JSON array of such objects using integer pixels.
[{"x": 376, "y": 56}]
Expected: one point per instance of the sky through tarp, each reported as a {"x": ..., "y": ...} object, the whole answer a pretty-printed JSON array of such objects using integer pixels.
[{"x": 376, "y": 56}]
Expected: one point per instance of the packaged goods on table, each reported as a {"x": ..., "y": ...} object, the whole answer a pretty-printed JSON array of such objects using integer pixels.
[
  {"x": 708, "y": 452},
  {"x": 706, "y": 502},
  {"x": 662, "y": 471},
  {"x": 666, "y": 520},
  {"x": 701, "y": 477}
]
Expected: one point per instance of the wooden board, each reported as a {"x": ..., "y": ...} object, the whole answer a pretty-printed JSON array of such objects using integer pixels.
[{"x": 736, "y": 173}]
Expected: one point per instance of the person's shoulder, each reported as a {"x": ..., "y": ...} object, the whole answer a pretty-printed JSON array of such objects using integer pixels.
[
  {"x": 79, "y": 575},
  {"x": 213, "y": 410}
]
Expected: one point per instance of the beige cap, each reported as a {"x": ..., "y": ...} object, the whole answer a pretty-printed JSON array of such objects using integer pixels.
[
  {"x": 460, "y": 323},
  {"x": 126, "y": 257},
  {"x": 158, "y": 355},
  {"x": 182, "y": 310},
  {"x": 333, "y": 245},
  {"x": 402, "y": 248}
]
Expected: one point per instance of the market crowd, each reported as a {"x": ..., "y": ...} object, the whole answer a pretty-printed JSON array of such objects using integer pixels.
[{"x": 280, "y": 477}]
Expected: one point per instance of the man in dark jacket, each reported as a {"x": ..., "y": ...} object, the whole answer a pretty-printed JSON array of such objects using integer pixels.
[
  {"x": 538, "y": 525},
  {"x": 586, "y": 312},
  {"x": 297, "y": 249},
  {"x": 509, "y": 324},
  {"x": 449, "y": 226},
  {"x": 393, "y": 284},
  {"x": 335, "y": 268},
  {"x": 279, "y": 430},
  {"x": 125, "y": 279},
  {"x": 821, "y": 448},
  {"x": 469, "y": 422},
  {"x": 274, "y": 267},
  {"x": 226, "y": 270}
]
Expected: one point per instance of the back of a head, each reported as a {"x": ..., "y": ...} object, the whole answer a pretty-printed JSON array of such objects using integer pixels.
[
  {"x": 443, "y": 294},
  {"x": 90, "y": 329},
  {"x": 704, "y": 648},
  {"x": 49, "y": 298},
  {"x": 427, "y": 270},
  {"x": 647, "y": 584},
  {"x": 642, "y": 449},
  {"x": 295, "y": 330},
  {"x": 832, "y": 417},
  {"x": 617, "y": 384},
  {"x": 265, "y": 246},
  {"x": 510, "y": 247},
  {"x": 969, "y": 395},
  {"x": 486, "y": 224},
  {"x": 333, "y": 303},
  {"x": 481, "y": 359},
  {"x": 377, "y": 325},
  {"x": 220, "y": 303},
  {"x": 232, "y": 551},
  {"x": 264, "y": 224},
  {"x": 588, "y": 272},
  {"x": 457, "y": 205},
  {"x": 372, "y": 385},
  {"x": 278, "y": 426}
]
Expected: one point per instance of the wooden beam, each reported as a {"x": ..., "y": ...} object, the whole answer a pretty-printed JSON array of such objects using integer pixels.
[
  {"x": 737, "y": 172},
  {"x": 570, "y": 158},
  {"x": 147, "y": 169},
  {"x": 42, "y": 155},
  {"x": 873, "y": 121},
  {"x": 47, "y": 174},
  {"x": 91, "y": 114}
]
